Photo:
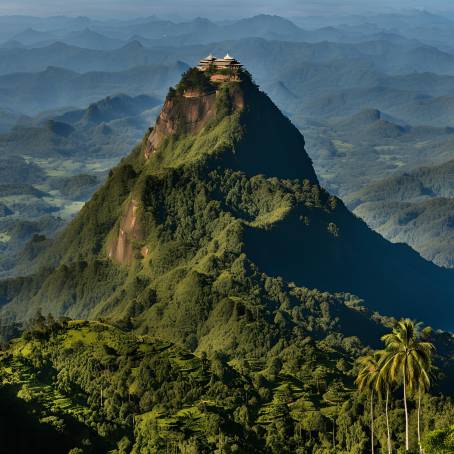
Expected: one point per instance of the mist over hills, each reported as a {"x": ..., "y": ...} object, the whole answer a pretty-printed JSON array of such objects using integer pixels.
[
  {"x": 416, "y": 208},
  {"x": 366, "y": 74},
  {"x": 56, "y": 88},
  {"x": 384, "y": 55},
  {"x": 354, "y": 151},
  {"x": 418, "y": 26}
]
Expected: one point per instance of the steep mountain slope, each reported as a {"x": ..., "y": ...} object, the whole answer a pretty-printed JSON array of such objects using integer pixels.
[{"x": 220, "y": 192}]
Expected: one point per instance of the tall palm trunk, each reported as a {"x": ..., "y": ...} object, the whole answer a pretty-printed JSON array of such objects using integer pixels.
[
  {"x": 372, "y": 420},
  {"x": 387, "y": 421},
  {"x": 407, "y": 443},
  {"x": 419, "y": 421}
]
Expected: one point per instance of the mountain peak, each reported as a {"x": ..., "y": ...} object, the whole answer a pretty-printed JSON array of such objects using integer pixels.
[
  {"x": 216, "y": 201},
  {"x": 256, "y": 136}
]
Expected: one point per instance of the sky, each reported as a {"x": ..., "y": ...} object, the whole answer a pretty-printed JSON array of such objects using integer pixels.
[{"x": 212, "y": 8}]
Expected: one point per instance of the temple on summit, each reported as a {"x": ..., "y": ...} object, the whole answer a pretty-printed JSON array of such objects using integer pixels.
[{"x": 221, "y": 68}]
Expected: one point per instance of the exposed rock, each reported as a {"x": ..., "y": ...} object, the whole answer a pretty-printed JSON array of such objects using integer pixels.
[
  {"x": 185, "y": 114},
  {"x": 121, "y": 249}
]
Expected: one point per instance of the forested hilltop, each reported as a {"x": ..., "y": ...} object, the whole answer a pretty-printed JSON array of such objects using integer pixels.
[
  {"x": 88, "y": 387},
  {"x": 230, "y": 298}
]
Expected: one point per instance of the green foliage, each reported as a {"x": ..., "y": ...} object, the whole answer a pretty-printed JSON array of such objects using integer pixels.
[
  {"x": 229, "y": 229},
  {"x": 440, "y": 441},
  {"x": 193, "y": 80},
  {"x": 415, "y": 208}
]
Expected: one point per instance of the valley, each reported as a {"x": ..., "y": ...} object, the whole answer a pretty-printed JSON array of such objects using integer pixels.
[{"x": 63, "y": 158}]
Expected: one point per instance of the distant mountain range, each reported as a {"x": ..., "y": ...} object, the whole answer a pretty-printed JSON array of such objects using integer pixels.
[
  {"x": 351, "y": 152},
  {"x": 55, "y": 88},
  {"x": 52, "y": 163},
  {"x": 428, "y": 29},
  {"x": 318, "y": 80},
  {"x": 416, "y": 208},
  {"x": 384, "y": 55}
]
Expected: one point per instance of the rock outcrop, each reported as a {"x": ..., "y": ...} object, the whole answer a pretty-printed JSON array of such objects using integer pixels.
[{"x": 121, "y": 248}]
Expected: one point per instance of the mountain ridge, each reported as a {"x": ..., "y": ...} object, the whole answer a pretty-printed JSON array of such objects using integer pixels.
[
  {"x": 415, "y": 207},
  {"x": 181, "y": 229}
]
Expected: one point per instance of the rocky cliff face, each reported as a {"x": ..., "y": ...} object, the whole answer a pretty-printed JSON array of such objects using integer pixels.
[
  {"x": 130, "y": 230},
  {"x": 185, "y": 114}
]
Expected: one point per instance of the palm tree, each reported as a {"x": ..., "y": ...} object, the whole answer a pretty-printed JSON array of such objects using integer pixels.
[
  {"x": 384, "y": 384},
  {"x": 366, "y": 381},
  {"x": 408, "y": 360},
  {"x": 423, "y": 386}
]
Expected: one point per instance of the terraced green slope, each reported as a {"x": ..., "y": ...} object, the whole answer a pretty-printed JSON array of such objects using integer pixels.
[{"x": 92, "y": 386}]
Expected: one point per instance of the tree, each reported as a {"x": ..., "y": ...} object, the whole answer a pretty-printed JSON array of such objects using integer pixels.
[
  {"x": 366, "y": 381},
  {"x": 440, "y": 441},
  {"x": 384, "y": 384},
  {"x": 408, "y": 362},
  {"x": 422, "y": 385}
]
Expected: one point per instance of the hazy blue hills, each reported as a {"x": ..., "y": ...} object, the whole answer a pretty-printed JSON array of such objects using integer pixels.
[
  {"x": 90, "y": 39},
  {"x": 158, "y": 32},
  {"x": 31, "y": 36},
  {"x": 161, "y": 32},
  {"x": 409, "y": 107},
  {"x": 416, "y": 208},
  {"x": 109, "y": 109},
  {"x": 79, "y": 59},
  {"x": 321, "y": 80},
  {"x": 353, "y": 151},
  {"x": 103, "y": 129},
  {"x": 53, "y": 163},
  {"x": 431, "y": 29},
  {"x": 7, "y": 120},
  {"x": 384, "y": 55},
  {"x": 55, "y": 87}
]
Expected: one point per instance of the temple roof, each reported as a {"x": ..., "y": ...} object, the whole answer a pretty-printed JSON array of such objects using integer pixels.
[{"x": 220, "y": 63}]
